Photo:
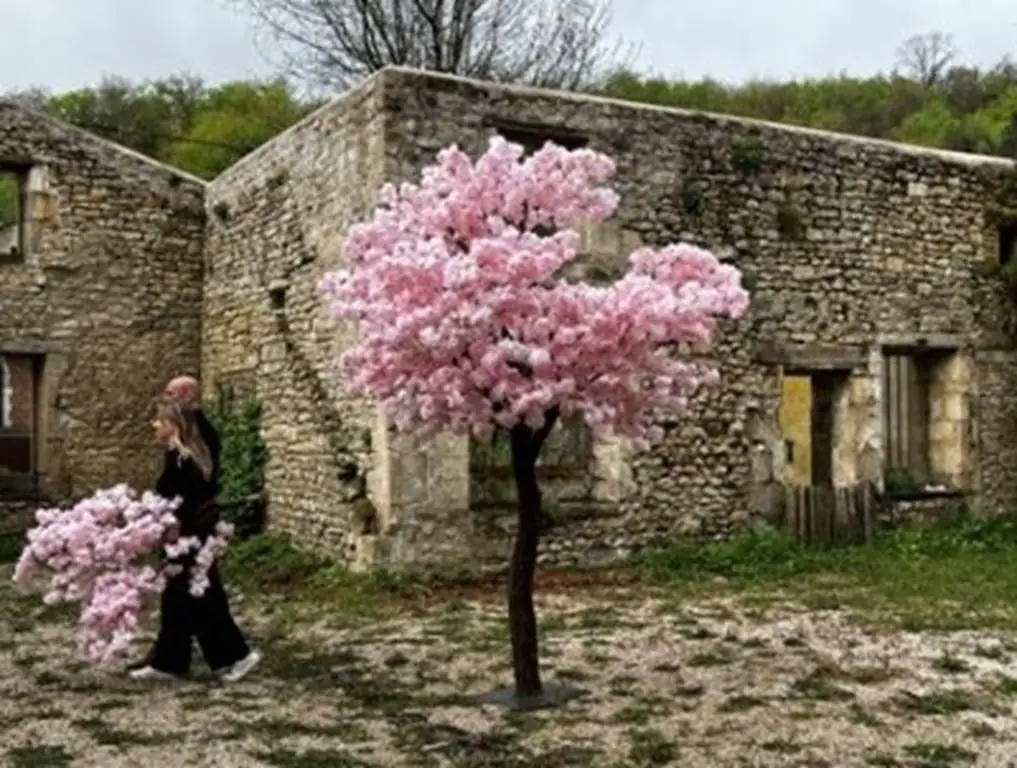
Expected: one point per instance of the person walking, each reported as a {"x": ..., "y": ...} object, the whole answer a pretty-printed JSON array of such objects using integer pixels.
[
  {"x": 186, "y": 391},
  {"x": 190, "y": 473}
]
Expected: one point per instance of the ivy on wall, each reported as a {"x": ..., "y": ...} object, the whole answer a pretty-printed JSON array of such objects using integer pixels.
[{"x": 243, "y": 459}]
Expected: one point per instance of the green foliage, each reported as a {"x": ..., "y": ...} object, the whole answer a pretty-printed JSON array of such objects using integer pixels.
[
  {"x": 11, "y": 545},
  {"x": 145, "y": 117},
  {"x": 748, "y": 156},
  {"x": 971, "y": 110},
  {"x": 270, "y": 563},
  {"x": 180, "y": 120},
  {"x": 231, "y": 121},
  {"x": 693, "y": 197},
  {"x": 762, "y": 550},
  {"x": 764, "y": 553},
  {"x": 907, "y": 578},
  {"x": 899, "y": 482},
  {"x": 10, "y": 198},
  {"x": 496, "y": 452},
  {"x": 244, "y": 455}
]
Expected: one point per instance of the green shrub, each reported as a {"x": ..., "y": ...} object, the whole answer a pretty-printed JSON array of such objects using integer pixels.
[
  {"x": 748, "y": 156},
  {"x": 765, "y": 553},
  {"x": 11, "y": 546},
  {"x": 269, "y": 560},
  {"x": 243, "y": 463}
]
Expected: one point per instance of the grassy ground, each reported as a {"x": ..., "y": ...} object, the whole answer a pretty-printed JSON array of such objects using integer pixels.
[{"x": 752, "y": 653}]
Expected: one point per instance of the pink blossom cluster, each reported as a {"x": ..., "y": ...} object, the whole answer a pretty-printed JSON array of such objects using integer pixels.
[
  {"x": 205, "y": 555},
  {"x": 465, "y": 322},
  {"x": 103, "y": 554}
]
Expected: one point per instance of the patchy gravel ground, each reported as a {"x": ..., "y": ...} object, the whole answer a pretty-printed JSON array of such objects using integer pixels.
[{"x": 713, "y": 683}]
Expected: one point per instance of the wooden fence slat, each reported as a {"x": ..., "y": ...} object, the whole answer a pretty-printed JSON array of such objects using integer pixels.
[{"x": 827, "y": 516}]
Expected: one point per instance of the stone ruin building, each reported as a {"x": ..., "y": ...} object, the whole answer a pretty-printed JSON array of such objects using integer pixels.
[{"x": 879, "y": 347}]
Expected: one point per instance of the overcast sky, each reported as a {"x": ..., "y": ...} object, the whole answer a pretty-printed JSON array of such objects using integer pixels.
[{"x": 63, "y": 44}]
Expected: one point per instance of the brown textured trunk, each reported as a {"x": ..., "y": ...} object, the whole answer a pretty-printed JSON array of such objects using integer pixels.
[{"x": 526, "y": 445}]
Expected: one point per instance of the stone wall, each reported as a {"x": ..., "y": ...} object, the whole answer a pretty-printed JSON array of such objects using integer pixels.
[
  {"x": 105, "y": 294},
  {"x": 848, "y": 245},
  {"x": 129, "y": 272},
  {"x": 275, "y": 224}
]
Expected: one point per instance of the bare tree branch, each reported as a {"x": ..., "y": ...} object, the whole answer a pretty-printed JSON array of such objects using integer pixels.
[
  {"x": 335, "y": 43},
  {"x": 927, "y": 57}
]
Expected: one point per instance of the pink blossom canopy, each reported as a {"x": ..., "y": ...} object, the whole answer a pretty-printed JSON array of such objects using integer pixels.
[{"x": 465, "y": 323}]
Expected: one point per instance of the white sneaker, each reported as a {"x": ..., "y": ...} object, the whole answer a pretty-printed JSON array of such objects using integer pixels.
[
  {"x": 239, "y": 670},
  {"x": 150, "y": 673}
]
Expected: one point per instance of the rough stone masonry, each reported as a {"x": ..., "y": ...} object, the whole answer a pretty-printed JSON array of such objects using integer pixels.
[
  {"x": 100, "y": 301},
  {"x": 872, "y": 271}
]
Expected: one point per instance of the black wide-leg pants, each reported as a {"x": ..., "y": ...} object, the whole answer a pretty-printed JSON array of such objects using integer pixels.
[{"x": 207, "y": 619}]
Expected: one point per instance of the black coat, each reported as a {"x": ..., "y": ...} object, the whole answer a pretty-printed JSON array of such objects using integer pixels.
[{"x": 182, "y": 478}]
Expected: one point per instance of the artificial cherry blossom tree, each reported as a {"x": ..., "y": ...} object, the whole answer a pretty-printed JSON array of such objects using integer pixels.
[{"x": 466, "y": 324}]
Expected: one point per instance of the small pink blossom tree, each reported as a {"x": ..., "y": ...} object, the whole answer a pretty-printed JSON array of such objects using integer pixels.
[{"x": 466, "y": 325}]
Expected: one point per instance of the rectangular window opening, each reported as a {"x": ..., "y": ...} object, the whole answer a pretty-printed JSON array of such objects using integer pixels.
[
  {"x": 21, "y": 420},
  {"x": 910, "y": 416},
  {"x": 534, "y": 137},
  {"x": 1006, "y": 243},
  {"x": 13, "y": 212}
]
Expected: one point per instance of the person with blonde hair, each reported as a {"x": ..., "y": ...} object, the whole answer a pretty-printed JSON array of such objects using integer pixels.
[
  {"x": 186, "y": 391},
  {"x": 190, "y": 474}
]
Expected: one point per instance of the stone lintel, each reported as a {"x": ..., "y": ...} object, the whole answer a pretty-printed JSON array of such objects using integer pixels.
[
  {"x": 29, "y": 348},
  {"x": 16, "y": 163},
  {"x": 930, "y": 341},
  {"x": 811, "y": 357}
]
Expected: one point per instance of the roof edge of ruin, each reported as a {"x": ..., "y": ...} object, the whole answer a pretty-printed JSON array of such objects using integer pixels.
[
  {"x": 102, "y": 142},
  {"x": 961, "y": 158}
]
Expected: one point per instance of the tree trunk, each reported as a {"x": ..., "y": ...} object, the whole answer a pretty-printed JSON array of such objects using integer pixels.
[{"x": 526, "y": 445}]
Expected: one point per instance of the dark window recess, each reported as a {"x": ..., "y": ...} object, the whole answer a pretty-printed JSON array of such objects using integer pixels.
[
  {"x": 20, "y": 436},
  {"x": 534, "y": 137},
  {"x": 13, "y": 186},
  {"x": 824, "y": 391},
  {"x": 1006, "y": 242}
]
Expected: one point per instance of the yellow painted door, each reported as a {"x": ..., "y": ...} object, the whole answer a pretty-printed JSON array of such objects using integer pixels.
[{"x": 796, "y": 426}]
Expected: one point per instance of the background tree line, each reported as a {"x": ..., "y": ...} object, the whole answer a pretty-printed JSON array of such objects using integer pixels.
[{"x": 931, "y": 98}]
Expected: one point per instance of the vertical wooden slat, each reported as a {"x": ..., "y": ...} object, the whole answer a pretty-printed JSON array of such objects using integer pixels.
[
  {"x": 841, "y": 517},
  {"x": 826, "y": 516},
  {"x": 899, "y": 399},
  {"x": 854, "y": 530},
  {"x": 906, "y": 411},
  {"x": 906, "y": 383},
  {"x": 920, "y": 407},
  {"x": 794, "y": 518},
  {"x": 868, "y": 501},
  {"x": 811, "y": 515},
  {"x": 796, "y": 499},
  {"x": 891, "y": 405},
  {"x": 889, "y": 411},
  {"x": 818, "y": 514}
]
